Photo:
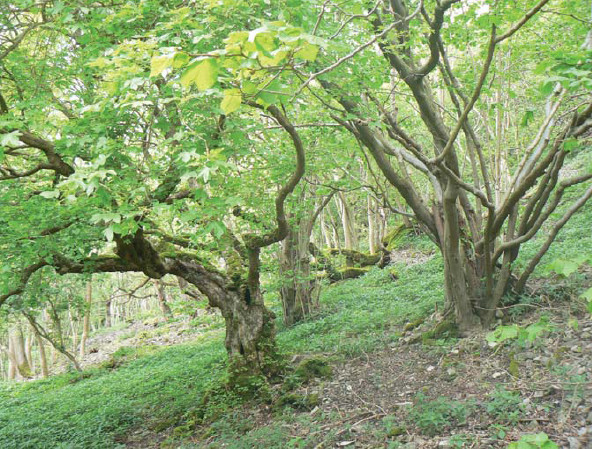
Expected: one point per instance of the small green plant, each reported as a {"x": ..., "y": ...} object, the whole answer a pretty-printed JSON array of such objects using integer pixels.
[
  {"x": 505, "y": 406},
  {"x": 566, "y": 266},
  {"x": 434, "y": 416},
  {"x": 458, "y": 441},
  {"x": 529, "y": 333},
  {"x": 587, "y": 295},
  {"x": 499, "y": 431},
  {"x": 392, "y": 426},
  {"x": 537, "y": 441}
]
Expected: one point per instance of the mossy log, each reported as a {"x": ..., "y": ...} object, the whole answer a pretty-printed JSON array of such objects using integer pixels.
[
  {"x": 392, "y": 238},
  {"x": 349, "y": 273},
  {"x": 356, "y": 257}
]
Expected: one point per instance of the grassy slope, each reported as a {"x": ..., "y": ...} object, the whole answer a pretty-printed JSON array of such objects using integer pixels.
[
  {"x": 68, "y": 412},
  {"x": 65, "y": 412},
  {"x": 357, "y": 316}
]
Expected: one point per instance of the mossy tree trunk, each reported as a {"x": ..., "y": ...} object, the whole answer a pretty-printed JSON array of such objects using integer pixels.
[
  {"x": 250, "y": 325},
  {"x": 250, "y": 336},
  {"x": 297, "y": 286}
]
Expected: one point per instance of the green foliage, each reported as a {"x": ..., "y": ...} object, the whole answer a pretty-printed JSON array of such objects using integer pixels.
[
  {"x": 434, "y": 416},
  {"x": 393, "y": 426},
  {"x": 587, "y": 295},
  {"x": 313, "y": 368},
  {"x": 529, "y": 333},
  {"x": 566, "y": 267},
  {"x": 444, "y": 330},
  {"x": 505, "y": 406},
  {"x": 361, "y": 314},
  {"x": 307, "y": 370},
  {"x": 573, "y": 244},
  {"x": 536, "y": 441},
  {"x": 299, "y": 401},
  {"x": 203, "y": 74},
  {"x": 459, "y": 440},
  {"x": 145, "y": 390},
  {"x": 184, "y": 386}
]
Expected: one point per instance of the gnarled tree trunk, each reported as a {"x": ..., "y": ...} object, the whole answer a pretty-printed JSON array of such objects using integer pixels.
[
  {"x": 250, "y": 335},
  {"x": 297, "y": 286}
]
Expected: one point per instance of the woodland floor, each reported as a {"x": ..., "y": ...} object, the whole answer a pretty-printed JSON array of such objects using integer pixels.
[
  {"x": 440, "y": 395},
  {"x": 389, "y": 388},
  {"x": 150, "y": 332}
]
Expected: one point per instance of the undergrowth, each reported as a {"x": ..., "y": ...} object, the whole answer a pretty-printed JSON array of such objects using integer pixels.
[{"x": 156, "y": 389}]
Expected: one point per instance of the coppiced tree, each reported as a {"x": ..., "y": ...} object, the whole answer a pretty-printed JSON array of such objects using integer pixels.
[{"x": 421, "y": 77}]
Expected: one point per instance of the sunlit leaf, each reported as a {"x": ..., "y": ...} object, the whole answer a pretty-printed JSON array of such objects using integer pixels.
[
  {"x": 159, "y": 64},
  {"x": 231, "y": 101},
  {"x": 202, "y": 73}
]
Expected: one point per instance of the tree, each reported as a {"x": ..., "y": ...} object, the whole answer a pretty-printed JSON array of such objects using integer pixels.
[
  {"x": 129, "y": 176},
  {"x": 479, "y": 213},
  {"x": 145, "y": 140}
]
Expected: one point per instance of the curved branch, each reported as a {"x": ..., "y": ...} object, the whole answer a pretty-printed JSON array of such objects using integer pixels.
[
  {"x": 469, "y": 106},
  {"x": 551, "y": 238},
  {"x": 541, "y": 219},
  {"x": 25, "y": 276},
  {"x": 434, "y": 38},
  {"x": 522, "y": 21},
  {"x": 253, "y": 241}
]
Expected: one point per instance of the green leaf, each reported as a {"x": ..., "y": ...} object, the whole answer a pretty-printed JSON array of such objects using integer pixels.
[
  {"x": 547, "y": 88},
  {"x": 204, "y": 173},
  {"x": 232, "y": 101},
  {"x": 180, "y": 59},
  {"x": 159, "y": 64},
  {"x": 202, "y": 73},
  {"x": 533, "y": 331},
  {"x": 50, "y": 194},
  {"x": 265, "y": 43},
  {"x": 216, "y": 227},
  {"x": 565, "y": 267},
  {"x": 537, "y": 441},
  {"x": 587, "y": 294},
  {"x": 249, "y": 87},
  {"x": 538, "y": 438},
  {"x": 503, "y": 333},
  {"x": 549, "y": 445},
  {"x": 527, "y": 117},
  {"x": 109, "y": 233},
  {"x": 570, "y": 144},
  {"x": 308, "y": 52}
]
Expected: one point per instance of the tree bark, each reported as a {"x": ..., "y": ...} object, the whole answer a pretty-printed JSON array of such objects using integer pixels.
[
  {"x": 297, "y": 285},
  {"x": 107, "y": 320},
  {"x": 162, "y": 299},
  {"x": 42, "y": 354},
  {"x": 348, "y": 223},
  {"x": 86, "y": 320},
  {"x": 16, "y": 346}
]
